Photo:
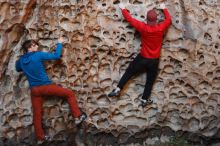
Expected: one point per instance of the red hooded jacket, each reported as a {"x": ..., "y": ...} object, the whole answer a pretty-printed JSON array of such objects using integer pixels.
[{"x": 151, "y": 35}]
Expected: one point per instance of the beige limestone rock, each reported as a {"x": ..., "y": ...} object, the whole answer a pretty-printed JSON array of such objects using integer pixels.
[{"x": 98, "y": 48}]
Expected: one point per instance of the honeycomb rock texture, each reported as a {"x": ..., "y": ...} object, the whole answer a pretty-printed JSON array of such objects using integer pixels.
[{"x": 98, "y": 47}]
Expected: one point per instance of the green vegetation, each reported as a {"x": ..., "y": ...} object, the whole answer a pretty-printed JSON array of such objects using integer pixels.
[{"x": 176, "y": 141}]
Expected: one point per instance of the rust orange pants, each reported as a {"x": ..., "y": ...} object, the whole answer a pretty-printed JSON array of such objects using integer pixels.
[{"x": 37, "y": 94}]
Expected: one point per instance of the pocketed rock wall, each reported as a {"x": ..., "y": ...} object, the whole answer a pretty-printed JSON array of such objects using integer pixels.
[{"x": 98, "y": 47}]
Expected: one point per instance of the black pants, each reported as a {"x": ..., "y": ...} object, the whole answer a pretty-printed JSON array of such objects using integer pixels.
[{"x": 140, "y": 65}]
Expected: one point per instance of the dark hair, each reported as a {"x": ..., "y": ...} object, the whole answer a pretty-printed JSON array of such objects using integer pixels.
[{"x": 27, "y": 44}]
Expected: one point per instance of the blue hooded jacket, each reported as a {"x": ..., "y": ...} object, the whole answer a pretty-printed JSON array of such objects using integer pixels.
[{"x": 32, "y": 65}]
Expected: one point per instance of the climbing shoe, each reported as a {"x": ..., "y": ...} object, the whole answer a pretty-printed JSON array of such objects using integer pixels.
[
  {"x": 115, "y": 92},
  {"x": 46, "y": 139},
  {"x": 82, "y": 118},
  {"x": 145, "y": 102}
]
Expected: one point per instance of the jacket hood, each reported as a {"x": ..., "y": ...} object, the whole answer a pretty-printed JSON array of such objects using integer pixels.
[
  {"x": 26, "y": 58},
  {"x": 152, "y": 17}
]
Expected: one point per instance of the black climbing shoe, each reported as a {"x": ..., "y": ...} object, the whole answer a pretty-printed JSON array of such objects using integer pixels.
[
  {"x": 80, "y": 119},
  {"x": 145, "y": 102},
  {"x": 115, "y": 92},
  {"x": 46, "y": 139}
]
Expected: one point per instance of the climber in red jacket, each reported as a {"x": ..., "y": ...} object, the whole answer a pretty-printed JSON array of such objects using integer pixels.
[{"x": 148, "y": 58}]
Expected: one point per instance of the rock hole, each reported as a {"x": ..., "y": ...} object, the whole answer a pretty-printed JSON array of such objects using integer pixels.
[
  {"x": 207, "y": 37},
  {"x": 116, "y": 2}
]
